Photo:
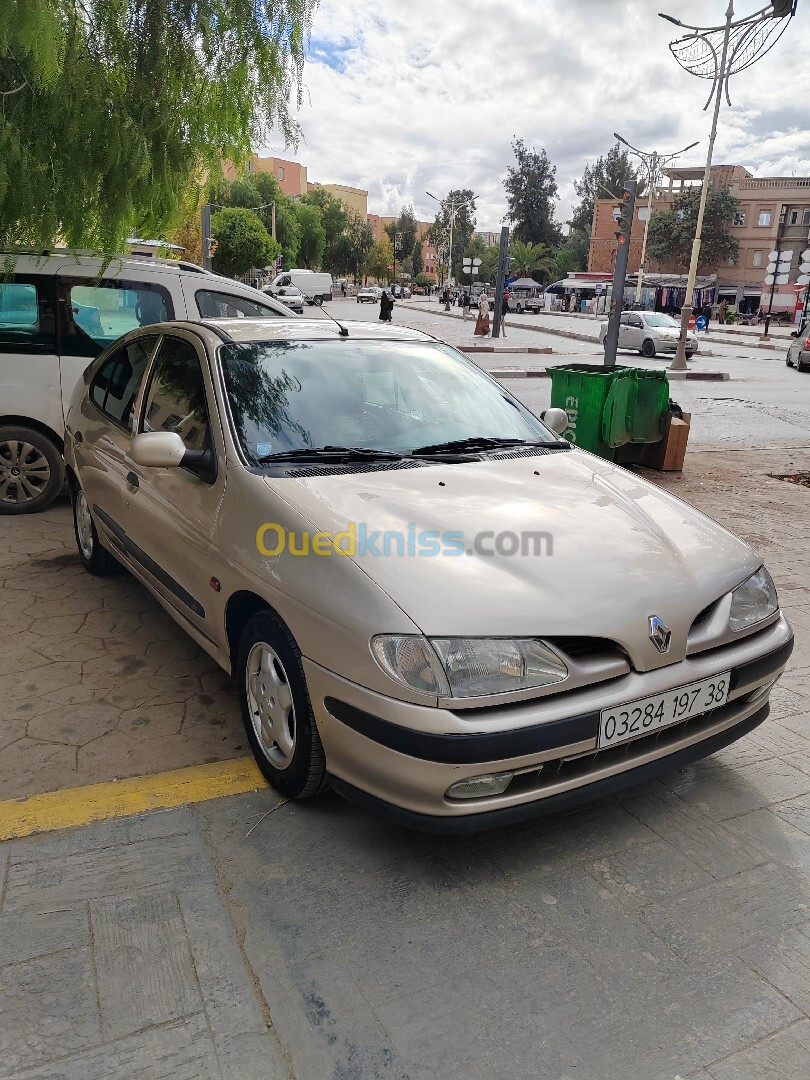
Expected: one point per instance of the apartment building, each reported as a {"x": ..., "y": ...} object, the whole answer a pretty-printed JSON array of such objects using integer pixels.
[{"x": 774, "y": 214}]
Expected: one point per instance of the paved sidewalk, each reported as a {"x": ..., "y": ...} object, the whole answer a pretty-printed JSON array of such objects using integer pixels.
[{"x": 659, "y": 935}]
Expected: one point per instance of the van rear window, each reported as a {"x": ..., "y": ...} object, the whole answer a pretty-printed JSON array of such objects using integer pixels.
[{"x": 26, "y": 317}]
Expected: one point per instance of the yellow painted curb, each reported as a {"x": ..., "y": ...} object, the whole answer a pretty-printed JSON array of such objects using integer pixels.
[{"x": 120, "y": 798}]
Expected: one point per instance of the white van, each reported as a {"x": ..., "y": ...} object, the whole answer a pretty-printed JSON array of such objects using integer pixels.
[
  {"x": 56, "y": 315},
  {"x": 316, "y": 288}
]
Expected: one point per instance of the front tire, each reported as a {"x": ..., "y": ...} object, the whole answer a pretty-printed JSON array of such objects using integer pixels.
[
  {"x": 689, "y": 355},
  {"x": 31, "y": 471},
  {"x": 648, "y": 348},
  {"x": 277, "y": 711},
  {"x": 94, "y": 558}
]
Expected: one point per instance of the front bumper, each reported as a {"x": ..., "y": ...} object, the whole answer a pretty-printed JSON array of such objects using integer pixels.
[
  {"x": 406, "y": 756},
  {"x": 671, "y": 344}
]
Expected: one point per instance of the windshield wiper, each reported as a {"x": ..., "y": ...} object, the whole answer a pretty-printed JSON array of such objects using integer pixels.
[
  {"x": 482, "y": 443},
  {"x": 336, "y": 454}
]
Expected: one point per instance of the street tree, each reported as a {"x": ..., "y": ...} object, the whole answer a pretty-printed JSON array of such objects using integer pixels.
[
  {"x": 380, "y": 259},
  {"x": 531, "y": 192},
  {"x": 242, "y": 242},
  {"x": 360, "y": 239},
  {"x": 603, "y": 180},
  {"x": 113, "y": 110},
  {"x": 417, "y": 262},
  {"x": 334, "y": 217},
  {"x": 257, "y": 192},
  {"x": 463, "y": 226},
  {"x": 312, "y": 235},
  {"x": 673, "y": 230},
  {"x": 488, "y": 270},
  {"x": 406, "y": 229},
  {"x": 532, "y": 260}
]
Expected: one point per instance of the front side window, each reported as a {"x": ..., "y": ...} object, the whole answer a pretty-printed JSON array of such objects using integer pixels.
[
  {"x": 221, "y": 305},
  {"x": 27, "y": 310},
  {"x": 635, "y": 320},
  {"x": 175, "y": 398},
  {"x": 398, "y": 396},
  {"x": 765, "y": 217},
  {"x": 96, "y": 313},
  {"x": 115, "y": 385}
]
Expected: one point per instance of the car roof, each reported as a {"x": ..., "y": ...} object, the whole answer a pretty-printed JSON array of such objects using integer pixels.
[{"x": 296, "y": 329}]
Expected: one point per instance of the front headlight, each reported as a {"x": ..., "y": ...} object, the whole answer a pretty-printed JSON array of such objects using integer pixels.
[
  {"x": 467, "y": 667},
  {"x": 753, "y": 601}
]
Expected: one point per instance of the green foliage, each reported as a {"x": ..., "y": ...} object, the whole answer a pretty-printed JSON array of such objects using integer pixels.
[
  {"x": 424, "y": 280},
  {"x": 489, "y": 264},
  {"x": 531, "y": 191},
  {"x": 673, "y": 230},
  {"x": 417, "y": 262},
  {"x": 463, "y": 228},
  {"x": 380, "y": 259},
  {"x": 112, "y": 110},
  {"x": 258, "y": 190},
  {"x": 572, "y": 256},
  {"x": 603, "y": 180},
  {"x": 360, "y": 238},
  {"x": 406, "y": 228},
  {"x": 334, "y": 218},
  {"x": 532, "y": 260},
  {"x": 242, "y": 242},
  {"x": 313, "y": 235}
]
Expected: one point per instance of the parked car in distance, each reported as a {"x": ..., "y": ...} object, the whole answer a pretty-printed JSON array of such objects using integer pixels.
[
  {"x": 291, "y": 298},
  {"x": 369, "y": 294},
  {"x": 257, "y": 476},
  {"x": 798, "y": 354},
  {"x": 650, "y": 332},
  {"x": 57, "y": 312}
]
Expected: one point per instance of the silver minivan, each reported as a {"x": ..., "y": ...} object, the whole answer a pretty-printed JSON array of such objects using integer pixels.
[{"x": 58, "y": 311}]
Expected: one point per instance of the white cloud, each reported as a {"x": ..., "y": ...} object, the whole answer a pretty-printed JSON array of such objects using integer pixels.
[{"x": 427, "y": 94}]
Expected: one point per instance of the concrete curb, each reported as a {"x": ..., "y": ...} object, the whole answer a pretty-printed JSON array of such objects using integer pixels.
[
  {"x": 514, "y": 350},
  {"x": 542, "y": 373}
]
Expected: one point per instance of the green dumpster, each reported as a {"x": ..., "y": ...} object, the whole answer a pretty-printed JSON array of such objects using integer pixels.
[{"x": 609, "y": 407}]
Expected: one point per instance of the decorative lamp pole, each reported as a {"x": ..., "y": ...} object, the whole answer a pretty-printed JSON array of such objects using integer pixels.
[
  {"x": 653, "y": 165},
  {"x": 740, "y": 44}
]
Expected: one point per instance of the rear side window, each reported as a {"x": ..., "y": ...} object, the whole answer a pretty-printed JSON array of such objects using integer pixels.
[
  {"x": 96, "y": 313},
  {"x": 27, "y": 313},
  {"x": 220, "y": 305},
  {"x": 115, "y": 384}
]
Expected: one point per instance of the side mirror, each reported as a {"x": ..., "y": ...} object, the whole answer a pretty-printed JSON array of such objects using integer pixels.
[
  {"x": 157, "y": 449},
  {"x": 556, "y": 419}
]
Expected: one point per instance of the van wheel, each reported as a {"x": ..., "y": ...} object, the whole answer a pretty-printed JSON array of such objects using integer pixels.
[
  {"x": 648, "y": 348},
  {"x": 276, "y": 709},
  {"x": 95, "y": 559},
  {"x": 319, "y": 301},
  {"x": 31, "y": 471}
]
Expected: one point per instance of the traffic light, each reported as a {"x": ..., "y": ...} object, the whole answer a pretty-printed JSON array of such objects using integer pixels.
[
  {"x": 782, "y": 8},
  {"x": 624, "y": 217}
]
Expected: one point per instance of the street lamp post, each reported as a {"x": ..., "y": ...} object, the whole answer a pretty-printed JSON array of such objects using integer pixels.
[
  {"x": 452, "y": 209},
  {"x": 741, "y": 44},
  {"x": 653, "y": 165}
]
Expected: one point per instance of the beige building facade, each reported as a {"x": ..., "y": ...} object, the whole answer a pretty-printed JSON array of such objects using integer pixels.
[{"x": 774, "y": 215}]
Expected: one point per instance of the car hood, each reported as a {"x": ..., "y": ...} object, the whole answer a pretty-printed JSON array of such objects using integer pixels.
[{"x": 598, "y": 550}]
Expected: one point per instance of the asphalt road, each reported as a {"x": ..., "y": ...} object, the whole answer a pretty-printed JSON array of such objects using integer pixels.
[{"x": 764, "y": 403}]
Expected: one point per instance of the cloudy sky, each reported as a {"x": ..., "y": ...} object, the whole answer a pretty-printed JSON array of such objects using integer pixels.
[{"x": 403, "y": 96}]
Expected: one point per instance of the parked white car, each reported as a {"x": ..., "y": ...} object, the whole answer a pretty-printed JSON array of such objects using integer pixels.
[
  {"x": 292, "y": 298},
  {"x": 370, "y": 294},
  {"x": 650, "y": 332},
  {"x": 316, "y": 288},
  {"x": 56, "y": 315}
]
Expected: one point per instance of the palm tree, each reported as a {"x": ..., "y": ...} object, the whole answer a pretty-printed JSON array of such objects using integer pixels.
[{"x": 530, "y": 258}]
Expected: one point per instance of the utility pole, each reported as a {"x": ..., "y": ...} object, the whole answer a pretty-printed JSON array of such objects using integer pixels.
[
  {"x": 503, "y": 263},
  {"x": 206, "y": 236},
  {"x": 624, "y": 225}
]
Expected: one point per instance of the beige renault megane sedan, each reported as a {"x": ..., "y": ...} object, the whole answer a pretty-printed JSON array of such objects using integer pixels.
[{"x": 427, "y": 598}]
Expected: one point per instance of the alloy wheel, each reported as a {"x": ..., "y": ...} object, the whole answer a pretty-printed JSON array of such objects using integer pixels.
[
  {"x": 24, "y": 472},
  {"x": 270, "y": 705},
  {"x": 84, "y": 525}
]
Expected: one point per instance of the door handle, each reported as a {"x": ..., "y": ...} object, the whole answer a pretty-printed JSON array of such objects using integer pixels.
[{"x": 132, "y": 479}]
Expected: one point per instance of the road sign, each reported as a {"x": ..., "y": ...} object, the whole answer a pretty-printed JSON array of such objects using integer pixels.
[
  {"x": 803, "y": 280},
  {"x": 771, "y": 268},
  {"x": 804, "y": 268},
  {"x": 806, "y": 254},
  {"x": 781, "y": 279}
]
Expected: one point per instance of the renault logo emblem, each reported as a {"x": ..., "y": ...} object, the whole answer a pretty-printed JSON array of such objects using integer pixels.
[{"x": 660, "y": 634}]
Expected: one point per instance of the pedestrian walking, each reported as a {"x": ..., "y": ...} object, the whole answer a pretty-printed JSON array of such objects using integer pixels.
[
  {"x": 343, "y": 289},
  {"x": 482, "y": 322},
  {"x": 446, "y": 298},
  {"x": 504, "y": 312},
  {"x": 465, "y": 305},
  {"x": 386, "y": 306}
]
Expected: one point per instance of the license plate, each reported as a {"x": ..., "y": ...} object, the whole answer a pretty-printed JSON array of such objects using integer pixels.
[{"x": 646, "y": 715}]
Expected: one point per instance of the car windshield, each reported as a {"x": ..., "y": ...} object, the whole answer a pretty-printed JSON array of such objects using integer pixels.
[
  {"x": 657, "y": 318},
  {"x": 400, "y": 396}
]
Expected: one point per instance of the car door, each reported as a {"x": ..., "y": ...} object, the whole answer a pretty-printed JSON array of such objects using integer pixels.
[
  {"x": 634, "y": 331},
  {"x": 171, "y": 514},
  {"x": 623, "y": 331},
  {"x": 101, "y": 431},
  {"x": 796, "y": 346}
]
